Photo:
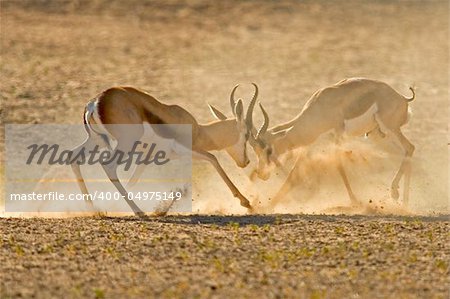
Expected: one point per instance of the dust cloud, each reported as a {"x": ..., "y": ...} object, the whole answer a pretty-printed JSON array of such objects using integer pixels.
[{"x": 317, "y": 186}]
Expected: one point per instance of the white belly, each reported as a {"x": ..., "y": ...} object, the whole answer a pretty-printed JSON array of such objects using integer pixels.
[
  {"x": 363, "y": 123},
  {"x": 173, "y": 149}
]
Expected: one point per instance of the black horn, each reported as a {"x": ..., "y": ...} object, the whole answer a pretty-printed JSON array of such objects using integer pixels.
[
  {"x": 265, "y": 125},
  {"x": 251, "y": 107},
  {"x": 232, "y": 100}
]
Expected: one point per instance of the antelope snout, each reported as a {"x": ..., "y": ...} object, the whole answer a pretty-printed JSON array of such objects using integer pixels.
[
  {"x": 264, "y": 175},
  {"x": 243, "y": 164}
]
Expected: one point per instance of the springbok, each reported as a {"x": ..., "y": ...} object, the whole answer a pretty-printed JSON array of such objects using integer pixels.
[
  {"x": 356, "y": 107},
  {"x": 128, "y": 105}
]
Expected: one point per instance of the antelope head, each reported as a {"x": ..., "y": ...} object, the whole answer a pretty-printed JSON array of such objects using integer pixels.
[
  {"x": 262, "y": 144},
  {"x": 243, "y": 123}
]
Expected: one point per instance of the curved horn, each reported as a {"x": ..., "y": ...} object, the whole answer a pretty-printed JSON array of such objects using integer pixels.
[
  {"x": 265, "y": 125},
  {"x": 251, "y": 106},
  {"x": 232, "y": 100}
]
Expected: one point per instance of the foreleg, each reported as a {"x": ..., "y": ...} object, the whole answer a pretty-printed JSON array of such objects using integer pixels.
[{"x": 203, "y": 155}]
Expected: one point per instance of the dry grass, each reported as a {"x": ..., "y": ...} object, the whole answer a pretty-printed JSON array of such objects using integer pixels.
[{"x": 225, "y": 256}]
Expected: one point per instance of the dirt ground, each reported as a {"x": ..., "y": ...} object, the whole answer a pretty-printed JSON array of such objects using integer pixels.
[
  {"x": 56, "y": 55},
  {"x": 274, "y": 256}
]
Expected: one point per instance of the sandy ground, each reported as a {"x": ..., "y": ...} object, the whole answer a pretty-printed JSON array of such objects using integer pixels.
[
  {"x": 274, "y": 256},
  {"x": 56, "y": 55}
]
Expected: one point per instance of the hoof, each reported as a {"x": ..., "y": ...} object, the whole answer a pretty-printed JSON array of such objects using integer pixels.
[
  {"x": 253, "y": 176},
  {"x": 356, "y": 205},
  {"x": 354, "y": 200},
  {"x": 131, "y": 184},
  {"x": 251, "y": 210},
  {"x": 246, "y": 204},
  {"x": 161, "y": 213},
  {"x": 100, "y": 214},
  {"x": 394, "y": 193},
  {"x": 270, "y": 210},
  {"x": 140, "y": 214}
]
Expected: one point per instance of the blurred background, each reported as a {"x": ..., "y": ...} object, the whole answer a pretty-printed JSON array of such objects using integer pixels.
[{"x": 56, "y": 55}]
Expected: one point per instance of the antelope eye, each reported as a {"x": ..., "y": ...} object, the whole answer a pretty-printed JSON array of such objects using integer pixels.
[{"x": 269, "y": 151}]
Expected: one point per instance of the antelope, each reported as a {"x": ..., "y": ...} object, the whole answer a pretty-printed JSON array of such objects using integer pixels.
[
  {"x": 128, "y": 105},
  {"x": 355, "y": 107}
]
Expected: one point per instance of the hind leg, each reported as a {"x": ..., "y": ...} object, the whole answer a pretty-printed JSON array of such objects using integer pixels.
[
  {"x": 340, "y": 167},
  {"x": 111, "y": 171},
  {"x": 405, "y": 168},
  {"x": 376, "y": 133},
  {"x": 126, "y": 137},
  {"x": 137, "y": 173},
  {"x": 291, "y": 181},
  {"x": 344, "y": 177},
  {"x": 89, "y": 144}
]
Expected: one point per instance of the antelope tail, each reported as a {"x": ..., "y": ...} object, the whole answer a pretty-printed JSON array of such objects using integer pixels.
[
  {"x": 86, "y": 116},
  {"x": 89, "y": 129},
  {"x": 413, "y": 94}
]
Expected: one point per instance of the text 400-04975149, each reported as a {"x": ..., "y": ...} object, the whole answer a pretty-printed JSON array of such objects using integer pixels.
[{"x": 97, "y": 196}]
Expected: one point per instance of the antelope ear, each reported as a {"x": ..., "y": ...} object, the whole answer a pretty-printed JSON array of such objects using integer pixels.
[
  {"x": 216, "y": 113},
  {"x": 252, "y": 139},
  {"x": 279, "y": 134},
  {"x": 239, "y": 110}
]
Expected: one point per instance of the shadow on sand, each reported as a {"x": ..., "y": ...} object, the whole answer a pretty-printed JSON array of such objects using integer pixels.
[{"x": 272, "y": 219}]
